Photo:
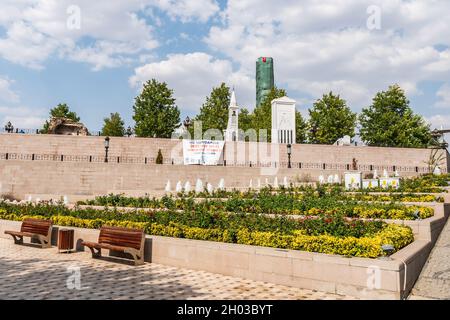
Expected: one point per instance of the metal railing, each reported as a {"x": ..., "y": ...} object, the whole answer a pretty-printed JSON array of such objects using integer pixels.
[{"x": 179, "y": 161}]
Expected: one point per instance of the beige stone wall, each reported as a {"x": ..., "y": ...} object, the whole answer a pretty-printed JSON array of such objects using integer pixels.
[
  {"x": 234, "y": 152},
  {"x": 72, "y": 177}
]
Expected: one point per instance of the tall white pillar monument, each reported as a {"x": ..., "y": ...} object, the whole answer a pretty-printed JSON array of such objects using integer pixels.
[
  {"x": 283, "y": 120},
  {"x": 232, "y": 132}
]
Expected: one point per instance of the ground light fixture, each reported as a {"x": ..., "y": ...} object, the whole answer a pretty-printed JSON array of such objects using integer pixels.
[
  {"x": 106, "y": 148},
  {"x": 289, "y": 152},
  {"x": 388, "y": 248}
]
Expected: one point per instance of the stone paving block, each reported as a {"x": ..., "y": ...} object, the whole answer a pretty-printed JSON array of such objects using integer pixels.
[{"x": 31, "y": 273}]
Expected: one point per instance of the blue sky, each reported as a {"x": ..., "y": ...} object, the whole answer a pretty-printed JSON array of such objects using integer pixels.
[{"x": 98, "y": 66}]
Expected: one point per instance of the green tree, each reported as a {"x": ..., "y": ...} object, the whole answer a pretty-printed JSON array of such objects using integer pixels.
[
  {"x": 214, "y": 112},
  {"x": 300, "y": 128},
  {"x": 262, "y": 115},
  {"x": 113, "y": 126},
  {"x": 390, "y": 122},
  {"x": 330, "y": 119},
  {"x": 60, "y": 111},
  {"x": 155, "y": 112}
]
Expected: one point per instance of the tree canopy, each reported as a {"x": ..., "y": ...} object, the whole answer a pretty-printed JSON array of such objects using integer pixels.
[
  {"x": 214, "y": 112},
  {"x": 330, "y": 120},
  {"x": 155, "y": 112},
  {"x": 113, "y": 126},
  {"x": 390, "y": 122}
]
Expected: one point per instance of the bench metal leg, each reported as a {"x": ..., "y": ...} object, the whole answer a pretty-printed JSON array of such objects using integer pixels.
[
  {"x": 45, "y": 242},
  {"x": 95, "y": 254},
  {"x": 17, "y": 239},
  {"x": 137, "y": 256}
]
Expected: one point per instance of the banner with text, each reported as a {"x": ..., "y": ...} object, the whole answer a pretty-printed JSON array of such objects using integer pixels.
[{"x": 202, "y": 152}]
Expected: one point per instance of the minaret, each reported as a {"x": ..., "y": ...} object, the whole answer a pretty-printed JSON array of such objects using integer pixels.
[{"x": 232, "y": 132}]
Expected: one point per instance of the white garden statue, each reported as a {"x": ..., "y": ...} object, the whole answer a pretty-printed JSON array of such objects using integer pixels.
[
  {"x": 187, "y": 187},
  {"x": 199, "y": 186},
  {"x": 259, "y": 183},
  {"x": 285, "y": 182},
  {"x": 336, "y": 179},
  {"x": 330, "y": 179},
  {"x": 437, "y": 171},
  {"x": 210, "y": 188},
  {"x": 275, "y": 183},
  {"x": 179, "y": 187},
  {"x": 321, "y": 179},
  {"x": 375, "y": 174},
  {"x": 250, "y": 185},
  {"x": 168, "y": 186},
  {"x": 65, "y": 200},
  {"x": 385, "y": 174},
  {"x": 396, "y": 174},
  {"x": 221, "y": 185}
]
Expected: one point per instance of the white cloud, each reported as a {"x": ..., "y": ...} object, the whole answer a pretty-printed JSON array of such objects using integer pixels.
[
  {"x": 192, "y": 76},
  {"x": 7, "y": 94},
  {"x": 325, "y": 45},
  {"x": 23, "y": 117},
  {"x": 439, "y": 120},
  {"x": 444, "y": 97},
  {"x": 188, "y": 10}
]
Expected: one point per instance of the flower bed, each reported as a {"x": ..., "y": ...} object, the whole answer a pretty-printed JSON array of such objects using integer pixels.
[
  {"x": 281, "y": 203},
  {"x": 326, "y": 234}
]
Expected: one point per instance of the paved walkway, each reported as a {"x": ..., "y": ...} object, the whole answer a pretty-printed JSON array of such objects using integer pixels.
[
  {"x": 434, "y": 281},
  {"x": 34, "y": 273}
]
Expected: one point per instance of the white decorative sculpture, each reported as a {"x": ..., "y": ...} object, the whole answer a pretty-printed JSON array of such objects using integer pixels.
[
  {"x": 187, "y": 187},
  {"x": 385, "y": 174},
  {"x": 275, "y": 183},
  {"x": 210, "y": 188},
  {"x": 179, "y": 187},
  {"x": 221, "y": 184},
  {"x": 437, "y": 171},
  {"x": 65, "y": 200},
  {"x": 336, "y": 179},
  {"x": 259, "y": 183},
  {"x": 250, "y": 185},
  {"x": 267, "y": 182},
  {"x": 330, "y": 179},
  {"x": 199, "y": 186},
  {"x": 285, "y": 182},
  {"x": 168, "y": 186},
  {"x": 321, "y": 179},
  {"x": 375, "y": 174},
  {"x": 29, "y": 199}
]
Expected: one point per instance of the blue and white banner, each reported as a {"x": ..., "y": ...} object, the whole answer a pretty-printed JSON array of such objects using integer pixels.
[{"x": 202, "y": 152}]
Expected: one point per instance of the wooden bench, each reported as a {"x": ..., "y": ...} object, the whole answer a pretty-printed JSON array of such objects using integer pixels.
[
  {"x": 38, "y": 229},
  {"x": 124, "y": 240}
]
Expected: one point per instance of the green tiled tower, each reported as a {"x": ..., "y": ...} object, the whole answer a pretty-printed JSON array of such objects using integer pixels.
[{"x": 264, "y": 78}]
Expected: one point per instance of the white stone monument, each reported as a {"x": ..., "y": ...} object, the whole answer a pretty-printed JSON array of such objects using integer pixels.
[
  {"x": 168, "y": 186},
  {"x": 179, "y": 187},
  {"x": 221, "y": 185},
  {"x": 187, "y": 187},
  {"x": 232, "y": 131},
  {"x": 210, "y": 188},
  {"x": 321, "y": 179},
  {"x": 283, "y": 120},
  {"x": 199, "y": 186}
]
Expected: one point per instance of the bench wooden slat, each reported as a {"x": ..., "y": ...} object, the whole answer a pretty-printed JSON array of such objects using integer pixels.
[{"x": 119, "y": 239}]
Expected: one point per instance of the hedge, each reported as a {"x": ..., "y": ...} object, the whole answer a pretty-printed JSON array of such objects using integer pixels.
[{"x": 369, "y": 247}]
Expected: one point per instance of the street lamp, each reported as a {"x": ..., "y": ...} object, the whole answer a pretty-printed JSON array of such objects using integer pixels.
[
  {"x": 129, "y": 131},
  {"x": 9, "y": 127},
  {"x": 289, "y": 152},
  {"x": 106, "y": 148}
]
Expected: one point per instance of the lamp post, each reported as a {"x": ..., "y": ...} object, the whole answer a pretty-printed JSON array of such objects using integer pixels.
[
  {"x": 129, "y": 132},
  {"x": 106, "y": 148},
  {"x": 289, "y": 152},
  {"x": 9, "y": 127}
]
